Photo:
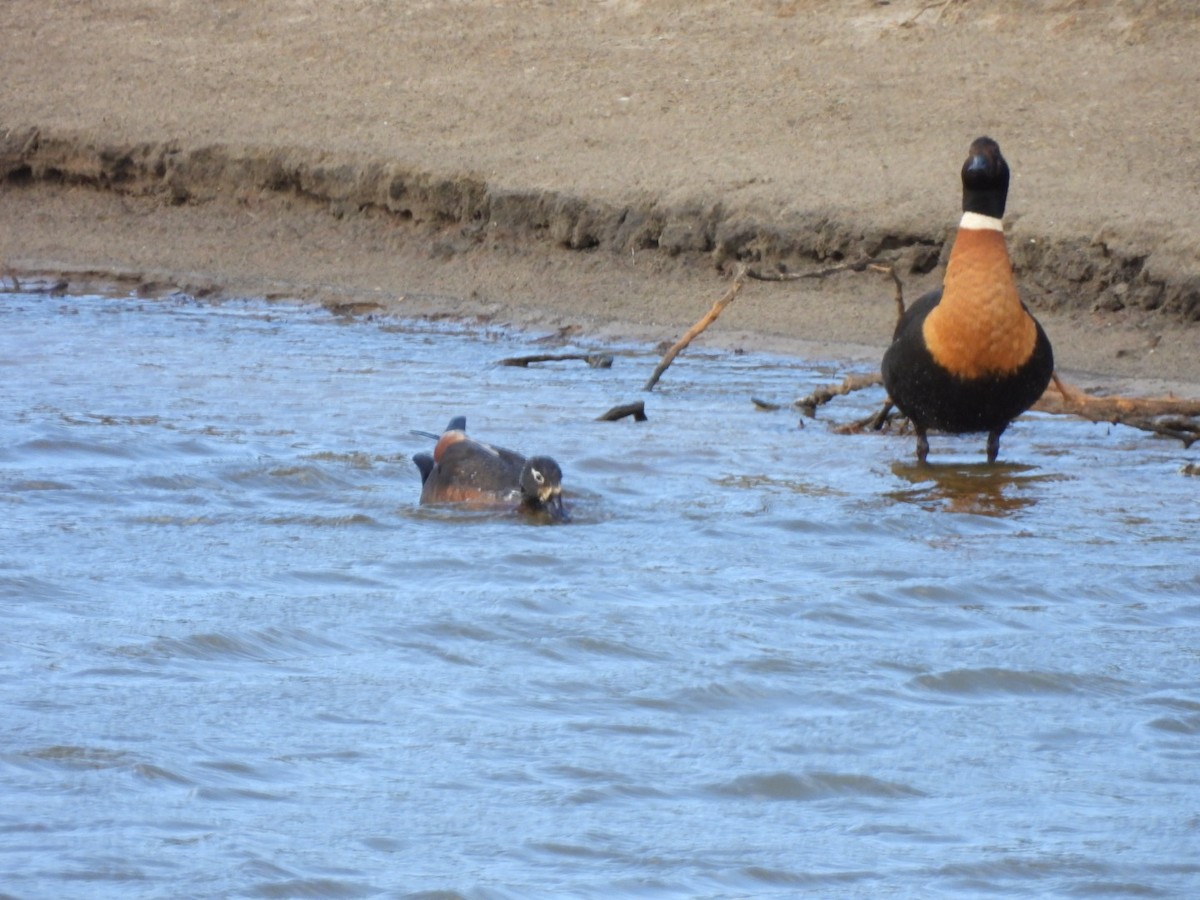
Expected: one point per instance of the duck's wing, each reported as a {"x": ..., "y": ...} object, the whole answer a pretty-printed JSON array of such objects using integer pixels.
[
  {"x": 424, "y": 463},
  {"x": 473, "y": 474}
]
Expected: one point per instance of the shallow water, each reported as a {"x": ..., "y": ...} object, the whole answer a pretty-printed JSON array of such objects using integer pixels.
[{"x": 762, "y": 660}]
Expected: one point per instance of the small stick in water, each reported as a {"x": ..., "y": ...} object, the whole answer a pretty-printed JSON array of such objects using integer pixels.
[{"x": 691, "y": 334}]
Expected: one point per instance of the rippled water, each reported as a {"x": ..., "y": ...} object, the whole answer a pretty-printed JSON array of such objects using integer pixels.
[{"x": 239, "y": 661}]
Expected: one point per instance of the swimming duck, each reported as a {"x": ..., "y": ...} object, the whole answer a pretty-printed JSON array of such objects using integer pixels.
[{"x": 472, "y": 473}]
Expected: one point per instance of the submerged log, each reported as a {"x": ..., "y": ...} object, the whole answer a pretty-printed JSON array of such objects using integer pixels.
[
  {"x": 636, "y": 409},
  {"x": 594, "y": 360}
]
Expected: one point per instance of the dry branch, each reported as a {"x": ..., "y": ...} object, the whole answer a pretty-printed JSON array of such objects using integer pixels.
[
  {"x": 822, "y": 395},
  {"x": 707, "y": 319},
  {"x": 874, "y": 422},
  {"x": 1066, "y": 400},
  {"x": 1169, "y": 416},
  {"x": 942, "y": 4},
  {"x": 862, "y": 265}
]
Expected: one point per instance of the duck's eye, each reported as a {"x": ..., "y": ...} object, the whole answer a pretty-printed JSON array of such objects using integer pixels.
[{"x": 538, "y": 476}]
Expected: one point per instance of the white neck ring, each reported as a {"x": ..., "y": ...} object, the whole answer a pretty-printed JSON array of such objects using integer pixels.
[{"x": 979, "y": 222}]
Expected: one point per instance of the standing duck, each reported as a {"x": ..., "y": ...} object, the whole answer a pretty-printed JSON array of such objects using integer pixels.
[
  {"x": 472, "y": 473},
  {"x": 969, "y": 357}
]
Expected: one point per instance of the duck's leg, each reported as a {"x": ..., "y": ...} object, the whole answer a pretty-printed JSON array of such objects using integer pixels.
[
  {"x": 993, "y": 443},
  {"x": 922, "y": 444}
]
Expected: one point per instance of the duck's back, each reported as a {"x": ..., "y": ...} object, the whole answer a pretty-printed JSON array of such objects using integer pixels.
[{"x": 466, "y": 471}]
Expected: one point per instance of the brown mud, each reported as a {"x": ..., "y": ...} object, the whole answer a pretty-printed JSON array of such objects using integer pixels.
[{"x": 602, "y": 167}]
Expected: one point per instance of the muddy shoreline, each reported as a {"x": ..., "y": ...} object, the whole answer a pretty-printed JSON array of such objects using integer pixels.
[
  {"x": 457, "y": 214},
  {"x": 604, "y": 166},
  {"x": 457, "y": 247}
]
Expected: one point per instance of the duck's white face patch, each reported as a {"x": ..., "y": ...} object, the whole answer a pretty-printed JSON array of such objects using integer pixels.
[{"x": 538, "y": 476}]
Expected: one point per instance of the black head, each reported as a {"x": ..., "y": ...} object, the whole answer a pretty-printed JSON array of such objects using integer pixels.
[
  {"x": 985, "y": 179},
  {"x": 541, "y": 486}
]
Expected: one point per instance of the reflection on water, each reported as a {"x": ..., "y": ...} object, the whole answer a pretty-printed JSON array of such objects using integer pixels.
[
  {"x": 980, "y": 489},
  {"x": 239, "y": 659}
]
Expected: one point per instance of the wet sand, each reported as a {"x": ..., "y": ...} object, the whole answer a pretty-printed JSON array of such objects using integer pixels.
[{"x": 602, "y": 167}]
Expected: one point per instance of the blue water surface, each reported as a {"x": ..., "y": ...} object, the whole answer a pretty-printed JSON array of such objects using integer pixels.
[{"x": 762, "y": 660}]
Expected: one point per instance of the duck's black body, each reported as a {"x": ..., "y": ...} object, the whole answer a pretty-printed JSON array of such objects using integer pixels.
[
  {"x": 934, "y": 398},
  {"x": 969, "y": 357},
  {"x": 464, "y": 471}
]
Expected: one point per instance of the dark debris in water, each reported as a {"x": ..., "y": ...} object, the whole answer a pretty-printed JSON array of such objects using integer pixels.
[
  {"x": 594, "y": 360},
  {"x": 635, "y": 410}
]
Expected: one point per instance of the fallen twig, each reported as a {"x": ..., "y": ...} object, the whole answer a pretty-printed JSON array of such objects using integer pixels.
[
  {"x": 943, "y": 4},
  {"x": 1068, "y": 400},
  {"x": 874, "y": 422},
  {"x": 595, "y": 360},
  {"x": 1169, "y": 416},
  {"x": 707, "y": 319},
  {"x": 637, "y": 409},
  {"x": 1181, "y": 429},
  {"x": 862, "y": 265},
  {"x": 822, "y": 395}
]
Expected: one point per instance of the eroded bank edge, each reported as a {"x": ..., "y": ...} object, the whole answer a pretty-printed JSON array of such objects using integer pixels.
[{"x": 1070, "y": 274}]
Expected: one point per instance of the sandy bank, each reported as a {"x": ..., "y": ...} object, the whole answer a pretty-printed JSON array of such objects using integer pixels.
[{"x": 601, "y": 165}]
